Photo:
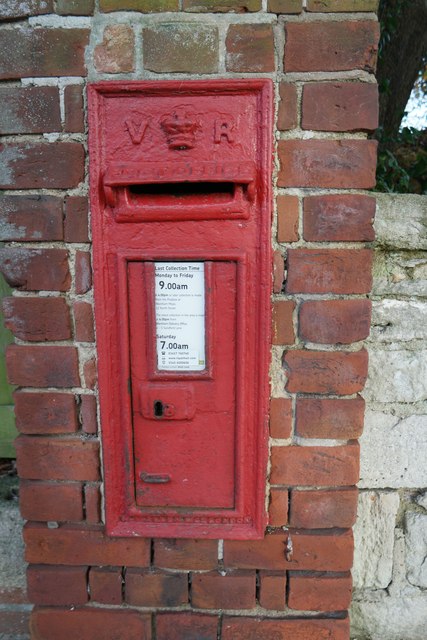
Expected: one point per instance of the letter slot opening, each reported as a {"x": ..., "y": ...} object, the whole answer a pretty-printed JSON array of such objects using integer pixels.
[{"x": 181, "y": 190}]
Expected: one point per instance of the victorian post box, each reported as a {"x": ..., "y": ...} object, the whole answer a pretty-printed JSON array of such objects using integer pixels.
[{"x": 180, "y": 208}]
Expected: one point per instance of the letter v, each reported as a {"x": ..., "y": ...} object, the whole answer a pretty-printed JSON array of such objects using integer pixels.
[{"x": 136, "y": 130}]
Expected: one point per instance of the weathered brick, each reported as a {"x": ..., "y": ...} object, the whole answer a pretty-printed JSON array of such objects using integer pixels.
[
  {"x": 90, "y": 373},
  {"x": 283, "y": 328},
  {"x": 176, "y": 47},
  {"x": 83, "y": 318},
  {"x": 51, "y": 501},
  {"x": 278, "y": 508},
  {"x": 88, "y": 414},
  {"x": 338, "y": 218},
  {"x": 235, "y": 590},
  {"x": 105, "y": 585},
  {"x": 315, "y": 466},
  {"x": 339, "y": 164},
  {"x": 18, "y": 9},
  {"x": 329, "y": 271},
  {"x": 186, "y": 554},
  {"x": 332, "y": 372},
  {"x": 280, "y": 417},
  {"x": 37, "y": 319},
  {"x": 74, "y": 110},
  {"x": 73, "y": 545},
  {"x": 145, "y": 6},
  {"x": 342, "y": 5},
  {"x": 285, "y": 6},
  {"x": 75, "y": 7},
  {"x": 92, "y": 498},
  {"x": 83, "y": 272},
  {"x": 222, "y": 6},
  {"x": 278, "y": 271},
  {"x": 188, "y": 625},
  {"x": 42, "y": 366},
  {"x": 90, "y": 623},
  {"x": 36, "y": 269},
  {"x": 287, "y": 218},
  {"x": 31, "y": 218},
  {"x": 41, "y": 165},
  {"x": 272, "y": 590},
  {"x": 319, "y": 591},
  {"x": 156, "y": 588},
  {"x": 340, "y": 106},
  {"x": 335, "y": 418},
  {"x": 76, "y": 219},
  {"x": 331, "y": 46},
  {"x": 335, "y": 321},
  {"x": 256, "y": 628},
  {"x": 287, "y": 117},
  {"x": 45, "y": 413},
  {"x": 328, "y": 550},
  {"x": 115, "y": 54},
  {"x": 250, "y": 48},
  {"x": 57, "y": 458},
  {"x": 29, "y": 110},
  {"x": 27, "y": 52},
  {"x": 323, "y": 509},
  {"x": 56, "y": 586}
]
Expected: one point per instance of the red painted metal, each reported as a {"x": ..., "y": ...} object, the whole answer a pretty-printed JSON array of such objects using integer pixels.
[{"x": 181, "y": 173}]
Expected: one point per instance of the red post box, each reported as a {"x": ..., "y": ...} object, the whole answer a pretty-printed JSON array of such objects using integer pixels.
[{"x": 180, "y": 207}]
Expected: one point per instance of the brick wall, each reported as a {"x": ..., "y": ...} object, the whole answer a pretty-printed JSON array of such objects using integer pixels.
[{"x": 321, "y": 57}]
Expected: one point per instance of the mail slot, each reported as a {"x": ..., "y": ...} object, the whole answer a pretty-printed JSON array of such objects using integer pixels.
[{"x": 180, "y": 208}]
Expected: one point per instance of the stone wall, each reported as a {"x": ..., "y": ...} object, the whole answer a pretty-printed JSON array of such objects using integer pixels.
[{"x": 390, "y": 572}]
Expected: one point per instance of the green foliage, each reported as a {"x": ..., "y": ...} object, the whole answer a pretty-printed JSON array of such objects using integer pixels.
[{"x": 402, "y": 163}]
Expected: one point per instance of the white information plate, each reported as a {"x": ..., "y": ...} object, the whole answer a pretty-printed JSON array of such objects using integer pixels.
[{"x": 180, "y": 316}]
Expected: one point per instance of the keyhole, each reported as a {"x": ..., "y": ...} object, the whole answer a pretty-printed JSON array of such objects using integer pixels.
[{"x": 158, "y": 408}]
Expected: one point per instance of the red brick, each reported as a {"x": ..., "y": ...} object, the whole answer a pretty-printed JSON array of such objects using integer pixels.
[
  {"x": 37, "y": 319},
  {"x": 235, "y": 590},
  {"x": 335, "y": 321},
  {"x": 339, "y": 418},
  {"x": 191, "y": 626},
  {"x": 285, "y": 6},
  {"x": 283, "y": 326},
  {"x": 51, "y": 501},
  {"x": 27, "y": 52},
  {"x": 83, "y": 319},
  {"x": 287, "y": 117},
  {"x": 278, "y": 509},
  {"x": 287, "y": 218},
  {"x": 328, "y": 550},
  {"x": 92, "y": 503},
  {"x": 250, "y": 48},
  {"x": 18, "y": 9},
  {"x": 186, "y": 554},
  {"x": 319, "y": 591},
  {"x": 74, "y": 109},
  {"x": 156, "y": 588},
  {"x": 337, "y": 218},
  {"x": 75, "y": 7},
  {"x": 88, "y": 416},
  {"x": 115, "y": 54},
  {"x": 90, "y": 373},
  {"x": 32, "y": 269},
  {"x": 83, "y": 277},
  {"x": 315, "y": 466},
  {"x": 278, "y": 271},
  {"x": 41, "y": 165},
  {"x": 90, "y": 623},
  {"x": 106, "y": 585},
  {"x": 73, "y": 545},
  {"x": 338, "y": 372},
  {"x": 324, "y": 509},
  {"x": 342, "y": 5},
  {"x": 329, "y": 271},
  {"x": 331, "y": 164},
  {"x": 240, "y": 628},
  {"x": 340, "y": 106},
  {"x": 31, "y": 218},
  {"x": 280, "y": 418},
  {"x": 145, "y": 6},
  {"x": 272, "y": 590},
  {"x": 76, "y": 219},
  {"x": 29, "y": 110},
  {"x": 181, "y": 48},
  {"x": 57, "y": 586},
  {"x": 42, "y": 366},
  {"x": 331, "y": 46},
  {"x": 46, "y": 413},
  {"x": 57, "y": 458},
  {"x": 221, "y": 6}
]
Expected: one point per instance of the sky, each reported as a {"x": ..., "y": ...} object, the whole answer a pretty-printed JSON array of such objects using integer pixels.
[{"x": 416, "y": 110}]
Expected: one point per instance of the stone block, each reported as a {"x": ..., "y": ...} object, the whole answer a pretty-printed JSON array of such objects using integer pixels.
[
  {"x": 389, "y": 618},
  {"x": 396, "y": 376},
  {"x": 398, "y": 320},
  {"x": 416, "y": 549},
  {"x": 401, "y": 221},
  {"x": 400, "y": 273}
]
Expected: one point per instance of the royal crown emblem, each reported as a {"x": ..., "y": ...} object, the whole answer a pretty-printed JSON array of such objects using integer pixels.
[{"x": 180, "y": 128}]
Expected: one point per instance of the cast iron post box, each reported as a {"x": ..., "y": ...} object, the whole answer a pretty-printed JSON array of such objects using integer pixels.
[{"x": 180, "y": 208}]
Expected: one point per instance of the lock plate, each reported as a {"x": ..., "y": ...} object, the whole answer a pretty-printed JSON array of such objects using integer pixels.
[{"x": 167, "y": 401}]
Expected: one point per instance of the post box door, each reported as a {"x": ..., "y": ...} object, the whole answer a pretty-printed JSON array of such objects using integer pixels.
[{"x": 183, "y": 402}]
